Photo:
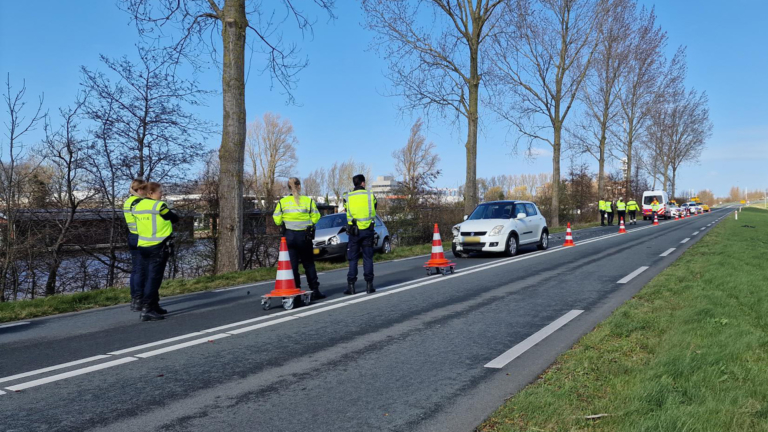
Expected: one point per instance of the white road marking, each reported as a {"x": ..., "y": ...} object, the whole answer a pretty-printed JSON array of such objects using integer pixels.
[
  {"x": 2, "y": 392},
  {"x": 685, "y": 240},
  {"x": 139, "y": 347},
  {"x": 632, "y": 275},
  {"x": 262, "y": 325},
  {"x": 14, "y": 324},
  {"x": 511, "y": 354},
  {"x": 695, "y": 233},
  {"x": 667, "y": 252},
  {"x": 243, "y": 286},
  {"x": 53, "y": 368},
  {"x": 70, "y": 374},
  {"x": 182, "y": 345}
]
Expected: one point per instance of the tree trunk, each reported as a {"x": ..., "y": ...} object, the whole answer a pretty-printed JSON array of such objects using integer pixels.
[
  {"x": 629, "y": 160},
  {"x": 229, "y": 257},
  {"x": 674, "y": 178},
  {"x": 556, "y": 177},
  {"x": 470, "y": 185},
  {"x": 601, "y": 169},
  {"x": 50, "y": 283}
]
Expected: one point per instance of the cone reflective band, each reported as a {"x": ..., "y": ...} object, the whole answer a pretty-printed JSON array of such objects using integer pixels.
[
  {"x": 622, "y": 230},
  {"x": 437, "y": 259},
  {"x": 284, "y": 283},
  {"x": 655, "y": 219},
  {"x": 568, "y": 237}
]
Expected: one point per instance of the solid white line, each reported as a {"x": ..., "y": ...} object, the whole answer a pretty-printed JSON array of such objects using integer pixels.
[
  {"x": 632, "y": 275},
  {"x": 139, "y": 347},
  {"x": 685, "y": 240},
  {"x": 52, "y": 368},
  {"x": 667, "y": 252},
  {"x": 511, "y": 354},
  {"x": 182, "y": 345},
  {"x": 243, "y": 286},
  {"x": 14, "y": 324},
  {"x": 70, "y": 374},
  {"x": 258, "y": 326}
]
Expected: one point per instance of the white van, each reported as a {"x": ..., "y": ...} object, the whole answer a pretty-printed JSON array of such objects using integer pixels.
[{"x": 663, "y": 200}]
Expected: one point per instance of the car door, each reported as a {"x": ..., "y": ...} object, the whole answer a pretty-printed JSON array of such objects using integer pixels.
[
  {"x": 379, "y": 227},
  {"x": 534, "y": 219},
  {"x": 524, "y": 225}
]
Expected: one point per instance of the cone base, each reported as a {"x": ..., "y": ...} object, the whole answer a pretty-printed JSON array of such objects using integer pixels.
[
  {"x": 285, "y": 293},
  {"x": 568, "y": 245},
  {"x": 443, "y": 264}
]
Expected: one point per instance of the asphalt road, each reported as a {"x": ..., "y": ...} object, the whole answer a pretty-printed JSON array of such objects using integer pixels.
[{"x": 436, "y": 353}]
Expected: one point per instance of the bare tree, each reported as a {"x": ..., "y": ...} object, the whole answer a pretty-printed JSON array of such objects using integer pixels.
[
  {"x": 271, "y": 148},
  {"x": 198, "y": 21},
  {"x": 541, "y": 60},
  {"x": 435, "y": 52},
  {"x": 339, "y": 179},
  {"x": 315, "y": 184},
  {"x": 639, "y": 85},
  {"x": 688, "y": 131},
  {"x": 416, "y": 163}
]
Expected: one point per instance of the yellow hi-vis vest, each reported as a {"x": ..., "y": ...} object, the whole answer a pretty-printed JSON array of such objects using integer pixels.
[
  {"x": 621, "y": 205},
  {"x": 296, "y": 217},
  {"x": 130, "y": 219},
  {"x": 601, "y": 205},
  {"x": 632, "y": 206},
  {"x": 152, "y": 228},
  {"x": 361, "y": 206},
  {"x": 655, "y": 206},
  {"x": 608, "y": 207}
]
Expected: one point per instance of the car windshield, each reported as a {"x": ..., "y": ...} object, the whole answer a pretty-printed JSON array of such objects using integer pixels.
[
  {"x": 332, "y": 221},
  {"x": 648, "y": 200},
  {"x": 492, "y": 211}
]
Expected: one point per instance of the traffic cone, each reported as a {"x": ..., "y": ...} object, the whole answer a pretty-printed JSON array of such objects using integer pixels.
[
  {"x": 676, "y": 218},
  {"x": 655, "y": 219},
  {"x": 622, "y": 230},
  {"x": 284, "y": 284},
  {"x": 568, "y": 237},
  {"x": 437, "y": 259}
]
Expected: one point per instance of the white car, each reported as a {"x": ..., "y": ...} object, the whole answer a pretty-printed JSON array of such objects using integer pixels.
[
  {"x": 500, "y": 226},
  {"x": 693, "y": 208},
  {"x": 673, "y": 210}
]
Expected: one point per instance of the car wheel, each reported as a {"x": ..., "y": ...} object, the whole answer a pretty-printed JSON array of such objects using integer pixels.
[
  {"x": 457, "y": 254},
  {"x": 386, "y": 247},
  {"x": 511, "y": 248},
  {"x": 543, "y": 241}
]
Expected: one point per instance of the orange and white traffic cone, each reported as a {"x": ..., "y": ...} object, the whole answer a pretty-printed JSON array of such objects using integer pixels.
[
  {"x": 676, "y": 218},
  {"x": 622, "y": 230},
  {"x": 437, "y": 259},
  {"x": 655, "y": 219},
  {"x": 285, "y": 286},
  {"x": 568, "y": 237}
]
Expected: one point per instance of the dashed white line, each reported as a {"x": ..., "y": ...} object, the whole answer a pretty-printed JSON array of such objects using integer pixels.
[
  {"x": 14, "y": 324},
  {"x": 685, "y": 240},
  {"x": 182, "y": 345},
  {"x": 667, "y": 252},
  {"x": 632, "y": 275},
  {"x": 53, "y": 368},
  {"x": 514, "y": 352},
  {"x": 70, "y": 374},
  {"x": 695, "y": 233}
]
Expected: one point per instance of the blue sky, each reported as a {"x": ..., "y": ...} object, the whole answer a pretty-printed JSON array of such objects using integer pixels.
[{"x": 342, "y": 112}]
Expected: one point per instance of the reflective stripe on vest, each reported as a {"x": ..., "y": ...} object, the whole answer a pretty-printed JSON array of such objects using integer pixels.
[
  {"x": 130, "y": 219},
  {"x": 620, "y": 206},
  {"x": 151, "y": 227},
  {"x": 296, "y": 217},
  {"x": 356, "y": 208}
]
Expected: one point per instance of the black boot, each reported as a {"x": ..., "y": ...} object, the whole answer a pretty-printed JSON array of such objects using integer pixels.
[
  {"x": 316, "y": 294},
  {"x": 135, "y": 305},
  {"x": 159, "y": 309},
  {"x": 149, "y": 314},
  {"x": 369, "y": 287},
  {"x": 350, "y": 288}
]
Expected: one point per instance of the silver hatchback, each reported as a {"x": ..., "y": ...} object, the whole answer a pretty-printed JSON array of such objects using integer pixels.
[{"x": 331, "y": 236}]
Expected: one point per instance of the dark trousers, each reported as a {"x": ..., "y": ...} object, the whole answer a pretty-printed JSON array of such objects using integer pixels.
[
  {"x": 602, "y": 217},
  {"x": 153, "y": 261},
  {"x": 610, "y": 218},
  {"x": 138, "y": 277},
  {"x": 362, "y": 243},
  {"x": 622, "y": 215},
  {"x": 633, "y": 215},
  {"x": 300, "y": 250}
]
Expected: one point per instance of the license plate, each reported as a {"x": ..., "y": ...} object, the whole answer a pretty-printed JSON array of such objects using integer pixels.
[
  {"x": 316, "y": 251},
  {"x": 471, "y": 239}
]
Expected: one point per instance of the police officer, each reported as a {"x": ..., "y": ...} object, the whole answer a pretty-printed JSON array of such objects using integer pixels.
[
  {"x": 361, "y": 218},
  {"x": 609, "y": 212},
  {"x": 632, "y": 208},
  {"x": 136, "y": 281},
  {"x": 298, "y": 214},
  {"x": 601, "y": 207},
  {"x": 621, "y": 209},
  {"x": 154, "y": 225}
]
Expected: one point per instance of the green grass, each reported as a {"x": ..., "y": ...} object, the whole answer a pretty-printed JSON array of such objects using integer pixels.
[
  {"x": 688, "y": 353},
  {"x": 25, "y": 309}
]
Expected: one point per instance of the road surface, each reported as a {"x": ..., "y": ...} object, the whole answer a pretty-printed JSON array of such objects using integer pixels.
[{"x": 436, "y": 353}]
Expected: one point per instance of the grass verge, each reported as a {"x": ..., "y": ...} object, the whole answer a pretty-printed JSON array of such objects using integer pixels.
[
  {"x": 688, "y": 353},
  {"x": 25, "y": 309}
]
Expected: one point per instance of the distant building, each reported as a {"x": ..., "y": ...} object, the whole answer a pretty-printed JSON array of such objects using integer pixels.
[{"x": 383, "y": 186}]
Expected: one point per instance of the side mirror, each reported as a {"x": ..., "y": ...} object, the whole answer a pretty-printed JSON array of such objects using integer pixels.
[
  {"x": 466, "y": 216},
  {"x": 522, "y": 215}
]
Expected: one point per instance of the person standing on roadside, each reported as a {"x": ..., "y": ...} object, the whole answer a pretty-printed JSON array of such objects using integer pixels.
[
  {"x": 298, "y": 214},
  {"x": 621, "y": 209},
  {"x": 632, "y": 208},
  {"x": 154, "y": 223},
  {"x": 137, "y": 278},
  {"x": 601, "y": 207},
  {"x": 609, "y": 212},
  {"x": 361, "y": 219}
]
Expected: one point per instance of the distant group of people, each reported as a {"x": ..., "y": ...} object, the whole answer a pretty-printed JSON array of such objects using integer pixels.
[
  {"x": 607, "y": 212},
  {"x": 297, "y": 215},
  {"x": 150, "y": 241}
]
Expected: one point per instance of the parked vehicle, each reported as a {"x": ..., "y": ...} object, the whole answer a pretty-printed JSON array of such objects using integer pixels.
[
  {"x": 500, "y": 226},
  {"x": 673, "y": 210},
  {"x": 705, "y": 208},
  {"x": 693, "y": 208},
  {"x": 661, "y": 197},
  {"x": 331, "y": 236}
]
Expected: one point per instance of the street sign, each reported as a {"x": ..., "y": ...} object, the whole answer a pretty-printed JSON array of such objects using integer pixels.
[{"x": 743, "y": 202}]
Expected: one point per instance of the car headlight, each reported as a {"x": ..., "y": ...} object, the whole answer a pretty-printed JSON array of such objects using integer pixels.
[
  {"x": 496, "y": 230},
  {"x": 455, "y": 231},
  {"x": 333, "y": 240}
]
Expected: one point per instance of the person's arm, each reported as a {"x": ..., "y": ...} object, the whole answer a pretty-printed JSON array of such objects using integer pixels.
[
  {"x": 314, "y": 214},
  {"x": 375, "y": 203},
  {"x": 278, "y": 215},
  {"x": 168, "y": 215}
]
